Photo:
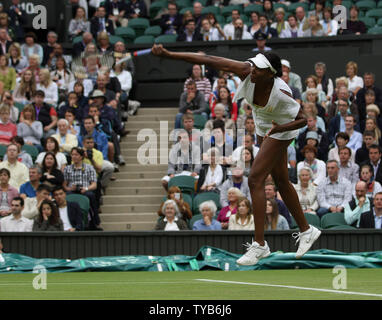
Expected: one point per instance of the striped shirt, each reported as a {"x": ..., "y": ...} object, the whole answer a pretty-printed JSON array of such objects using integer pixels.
[
  {"x": 350, "y": 172},
  {"x": 336, "y": 194},
  {"x": 203, "y": 85},
  {"x": 83, "y": 176}
]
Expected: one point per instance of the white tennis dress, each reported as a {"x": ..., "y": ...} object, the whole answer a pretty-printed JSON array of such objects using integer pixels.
[{"x": 280, "y": 107}]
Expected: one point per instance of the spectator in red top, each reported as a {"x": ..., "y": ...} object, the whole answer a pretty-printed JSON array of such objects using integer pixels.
[
  {"x": 8, "y": 130},
  {"x": 224, "y": 97}
]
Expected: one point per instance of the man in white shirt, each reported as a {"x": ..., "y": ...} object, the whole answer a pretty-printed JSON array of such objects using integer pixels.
[
  {"x": 348, "y": 169},
  {"x": 302, "y": 21},
  {"x": 240, "y": 32},
  {"x": 66, "y": 140},
  {"x": 229, "y": 28},
  {"x": 292, "y": 31},
  {"x": 19, "y": 171},
  {"x": 16, "y": 222},
  {"x": 356, "y": 139},
  {"x": 248, "y": 142},
  {"x": 209, "y": 33},
  {"x": 31, "y": 206}
]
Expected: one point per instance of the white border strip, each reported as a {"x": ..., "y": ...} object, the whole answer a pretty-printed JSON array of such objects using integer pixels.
[{"x": 294, "y": 287}]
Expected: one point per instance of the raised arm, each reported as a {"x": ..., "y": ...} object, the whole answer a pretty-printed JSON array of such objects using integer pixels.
[{"x": 241, "y": 69}]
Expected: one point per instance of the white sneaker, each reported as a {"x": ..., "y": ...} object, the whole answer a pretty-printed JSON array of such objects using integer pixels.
[
  {"x": 306, "y": 238},
  {"x": 254, "y": 253}
]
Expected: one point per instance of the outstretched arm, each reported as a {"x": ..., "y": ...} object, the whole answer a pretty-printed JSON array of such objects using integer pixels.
[{"x": 241, "y": 69}]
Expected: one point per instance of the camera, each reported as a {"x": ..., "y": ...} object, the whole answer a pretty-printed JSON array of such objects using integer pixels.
[
  {"x": 89, "y": 154},
  {"x": 78, "y": 188}
]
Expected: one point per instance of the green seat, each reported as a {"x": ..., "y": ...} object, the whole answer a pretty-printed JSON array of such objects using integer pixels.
[
  {"x": 211, "y": 9},
  {"x": 375, "y": 30},
  {"x": 194, "y": 219},
  {"x": 227, "y": 11},
  {"x": 342, "y": 227},
  {"x": 19, "y": 106},
  {"x": 333, "y": 220},
  {"x": 186, "y": 197},
  {"x": 293, "y": 6},
  {"x": 199, "y": 122},
  {"x": 368, "y": 21},
  {"x": 242, "y": 17},
  {"x": 220, "y": 19},
  {"x": 183, "y": 4},
  {"x": 183, "y": 11},
  {"x": 166, "y": 38},
  {"x": 374, "y": 13},
  {"x": 379, "y": 22},
  {"x": 253, "y": 8},
  {"x": 114, "y": 39},
  {"x": 155, "y": 7},
  {"x": 127, "y": 33},
  {"x": 203, "y": 2},
  {"x": 293, "y": 224},
  {"x": 205, "y": 196},
  {"x": 84, "y": 204},
  {"x": 31, "y": 150},
  {"x": 280, "y": 5},
  {"x": 347, "y": 4},
  {"x": 379, "y": 5},
  {"x": 154, "y": 31},
  {"x": 185, "y": 183},
  {"x": 144, "y": 39},
  {"x": 3, "y": 151},
  {"x": 366, "y": 4},
  {"x": 139, "y": 25},
  {"x": 76, "y": 39},
  {"x": 313, "y": 219}
]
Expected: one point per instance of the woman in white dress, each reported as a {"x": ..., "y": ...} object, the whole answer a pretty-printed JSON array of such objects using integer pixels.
[
  {"x": 277, "y": 118},
  {"x": 355, "y": 82}
]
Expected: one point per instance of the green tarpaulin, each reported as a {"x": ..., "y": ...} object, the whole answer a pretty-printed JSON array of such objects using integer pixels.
[{"x": 208, "y": 258}]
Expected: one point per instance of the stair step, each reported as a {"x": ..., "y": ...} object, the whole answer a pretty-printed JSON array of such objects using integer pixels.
[
  {"x": 131, "y": 152},
  {"x": 136, "y": 190},
  {"x": 158, "y": 111},
  {"x": 141, "y": 167},
  {"x": 129, "y": 218},
  {"x": 145, "y": 160},
  {"x": 134, "y": 183},
  {"x": 130, "y": 209},
  {"x": 133, "y": 199},
  {"x": 149, "y": 176},
  {"x": 136, "y": 226},
  {"x": 160, "y": 117}
]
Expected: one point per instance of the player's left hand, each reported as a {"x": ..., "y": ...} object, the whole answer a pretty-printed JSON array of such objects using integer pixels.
[{"x": 273, "y": 130}]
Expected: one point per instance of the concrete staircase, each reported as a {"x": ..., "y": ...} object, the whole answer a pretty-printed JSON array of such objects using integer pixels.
[{"x": 132, "y": 201}]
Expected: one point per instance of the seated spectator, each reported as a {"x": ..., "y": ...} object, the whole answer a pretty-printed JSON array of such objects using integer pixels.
[
  {"x": 230, "y": 108},
  {"x": 171, "y": 23},
  {"x": 62, "y": 76},
  {"x": 296, "y": 95},
  {"x": 240, "y": 31},
  {"x": 373, "y": 218},
  {"x": 265, "y": 28},
  {"x": 34, "y": 61},
  {"x": 70, "y": 212},
  {"x": 248, "y": 143},
  {"x": 318, "y": 9},
  {"x": 334, "y": 192},
  {"x": 246, "y": 160},
  {"x": 82, "y": 100},
  {"x": 51, "y": 176},
  {"x": 48, "y": 218},
  {"x": 348, "y": 169},
  {"x": 271, "y": 193},
  {"x": 233, "y": 196},
  {"x": 208, "y": 210},
  {"x": 366, "y": 175},
  {"x": 116, "y": 10},
  {"x": 221, "y": 114},
  {"x": 293, "y": 30},
  {"x": 8, "y": 130},
  {"x": 7, "y": 74},
  {"x": 310, "y": 109},
  {"x": 355, "y": 82},
  {"x": 243, "y": 219},
  {"x": 100, "y": 23},
  {"x": 16, "y": 60},
  {"x": 359, "y": 204},
  {"x": 311, "y": 83},
  {"x": 362, "y": 154},
  {"x": 30, "y": 129},
  {"x": 315, "y": 28},
  {"x": 7, "y": 100},
  {"x": 7, "y": 193},
  {"x": 225, "y": 79},
  {"x": 215, "y": 24},
  {"x": 306, "y": 191},
  {"x": 25, "y": 90},
  {"x": 79, "y": 24},
  {"x": 368, "y": 84},
  {"x": 66, "y": 140},
  {"x": 294, "y": 78},
  {"x": 103, "y": 44},
  {"x": 255, "y": 24},
  {"x": 19, "y": 172},
  {"x": 51, "y": 145},
  {"x": 191, "y": 101},
  {"x": 329, "y": 25},
  {"x": 203, "y": 85},
  {"x": 371, "y": 124},
  {"x": 32, "y": 205},
  {"x": 171, "y": 220},
  {"x": 58, "y": 53},
  {"x": 74, "y": 125},
  {"x": 184, "y": 159},
  {"x": 31, "y": 46},
  {"x": 353, "y": 25},
  {"x": 209, "y": 32},
  {"x": 274, "y": 220},
  {"x": 355, "y": 141},
  {"x": 22, "y": 156},
  {"x": 48, "y": 48},
  {"x": 49, "y": 88},
  {"x": 250, "y": 129},
  {"x": 28, "y": 189},
  {"x": 136, "y": 9},
  {"x": 342, "y": 139},
  {"x": 375, "y": 153},
  {"x": 317, "y": 166},
  {"x": 324, "y": 83},
  {"x": 280, "y": 24},
  {"x": 190, "y": 33},
  {"x": 72, "y": 104},
  {"x": 16, "y": 222},
  {"x": 237, "y": 180},
  {"x": 212, "y": 174},
  {"x": 222, "y": 141},
  {"x": 81, "y": 178},
  {"x": 229, "y": 28},
  {"x": 174, "y": 193},
  {"x": 79, "y": 47}
]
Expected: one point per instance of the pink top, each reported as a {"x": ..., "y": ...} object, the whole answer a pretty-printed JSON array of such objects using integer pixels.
[{"x": 225, "y": 213}]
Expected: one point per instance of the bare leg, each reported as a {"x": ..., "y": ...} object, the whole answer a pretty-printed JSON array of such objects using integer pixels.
[{"x": 110, "y": 149}]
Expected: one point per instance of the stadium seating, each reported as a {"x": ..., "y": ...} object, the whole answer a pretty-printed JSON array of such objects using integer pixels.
[
  {"x": 127, "y": 33},
  {"x": 154, "y": 31},
  {"x": 114, "y": 39},
  {"x": 374, "y": 13},
  {"x": 185, "y": 183},
  {"x": 211, "y": 9},
  {"x": 84, "y": 204},
  {"x": 182, "y": 11},
  {"x": 313, "y": 219},
  {"x": 155, "y": 7},
  {"x": 368, "y": 21},
  {"x": 166, "y": 38},
  {"x": 253, "y": 8},
  {"x": 139, "y": 25},
  {"x": 227, "y": 11},
  {"x": 366, "y": 4},
  {"x": 196, "y": 218},
  {"x": 333, "y": 220},
  {"x": 31, "y": 150},
  {"x": 375, "y": 30},
  {"x": 342, "y": 227},
  {"x": 3, "y": 150},
  {"x": 144, "y": 39},
  {"x": 186, "y": 197},
  {"x": 183, "y": 4},
  {"x": 205, "y": 196}
]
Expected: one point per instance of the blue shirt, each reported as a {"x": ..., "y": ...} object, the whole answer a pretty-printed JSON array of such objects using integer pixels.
[
  {"x": 201, "y": 226},
  {"x": 28, "y": 189},
  {"x": 377, "y": 220},
  {"x": 100, "y": 140}
]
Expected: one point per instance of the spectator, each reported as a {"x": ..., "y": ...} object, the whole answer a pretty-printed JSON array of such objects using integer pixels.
[
  {"x": 226, "y": 79},
  {"x": 353, "y": 25},
  {"x": 70, "y": 212},
  {"x": 245, "y": 112},
  {"x": 348, "y": 169},
  {"x": 233, "y": 196},
  {"x": 190, "y": 33},
  {"x": 302, "y": 20},
  {"x": 103, "y": 43},
  {"x": 294, "y": 79},
  {"x": 57, "y": 53},
  {"x": 32, "y": 205},
  {"x": 249, "y": 144},
  {"x": 171, "y": 222},
  {"x": 48, "y": 49},
  {"x": 230, "y": 108},
  {"x": 310, "y": 109},
  {"x": 7, "y": 74},
  {"x": 49, "y": 88},
  {"x": 265, "y": 29},
  {"x": 373, "y": 218},
  {"x": 28, "y": 189},
  {"x": 31, "y": 46},
  {"x": 238, "y": 181},
  {"x": 358, "y": 205},
  {"x": 100, "y": 23},
  {"x": 51, "y": 175},
  {"x": 22, "y": 156},
  {"x": 191, "y": 101},
  {"x": 81, "y": 178},
  {"x": 7, "y": 193},
  {"x": 315, "y": 28},
  {"x": 362, "y": 154},
  {"x": 306, "y": 191},
  {"x": 171, "y": 23},
  {"x": 317, "y": 166},
  {"x": 355, "y": 82},
  {"x": 250, "y": 129},
  {"x": 34, "y": 66},
  {"x": 220, "y": 114},
  {"x": 30, "y": 129},
  {"x": 80, "y": 46},
  {"x": 18, "y": 19},
  {"x": 212, "y": 174},
  {"x": 324, "y": 83},
  {"x": 48, "y": 218},
  {"x": 293, "y": 31},
  {"x": 79, "y": 24},
  {"x": 280, "y": 24},
  {"x": 8, "y": 130},
  {"x": 271, "y": 193},
  {"x": 116, "y": 11},
  {"x": 16, "y": 222},
  {"x": 334, "y": 192},
  {"x": 197, "y": 14},
  {"x": 8, "y": 101},
  {"x": 311, "y": 83},
  {"x": 243, "y": 219},
  {"x": 62, "y": 76},
  {"x": 203, "y": 85},
  {"x": 221, "y": 141},
  {"x": 372, "y": 125},
  {"x": 229, "y": 28},
  {"x": 318, "y": 9},
  {"x": 355, "y": 141},
  {"x": 174, "y": 193},
  {"x": 126, "y": 81},
  {"x": 184, "y": 159},
  {"x": 4, "y": 23},
  {"x": 16, "y": 60},
  {"x": 66, "y": 141},
  {"x": 209, "y": 32},
  {"x": 329, "y": 25},
  {"x": 5, "y": 42},
  {"x": 246, "y": 160},
  {"x": 366, "y": 175},
  {"x": 240, "y": 31},
  {"x": 136, "y": 9},
  {"x": 73, "y": 113},
  {"x": 255, "y": 24},
  {"x": 261, "y": 41},
  {"x": 268, "y": 11},
  {"x": 342, "y": 139},
  {"x": 368, "y": 83},
  {"x": 274, "y": 220},
  {"x": 214, "y": 24},
  {"x": 208, "y": 210},
  {"x": 51, "y": 145},
  {"x": 25, "y": 90}
]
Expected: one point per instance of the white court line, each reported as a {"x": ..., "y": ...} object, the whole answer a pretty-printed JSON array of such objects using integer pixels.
[
  {"x": 96, "y": 283},
  {"x": 294, "y": 287}
]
